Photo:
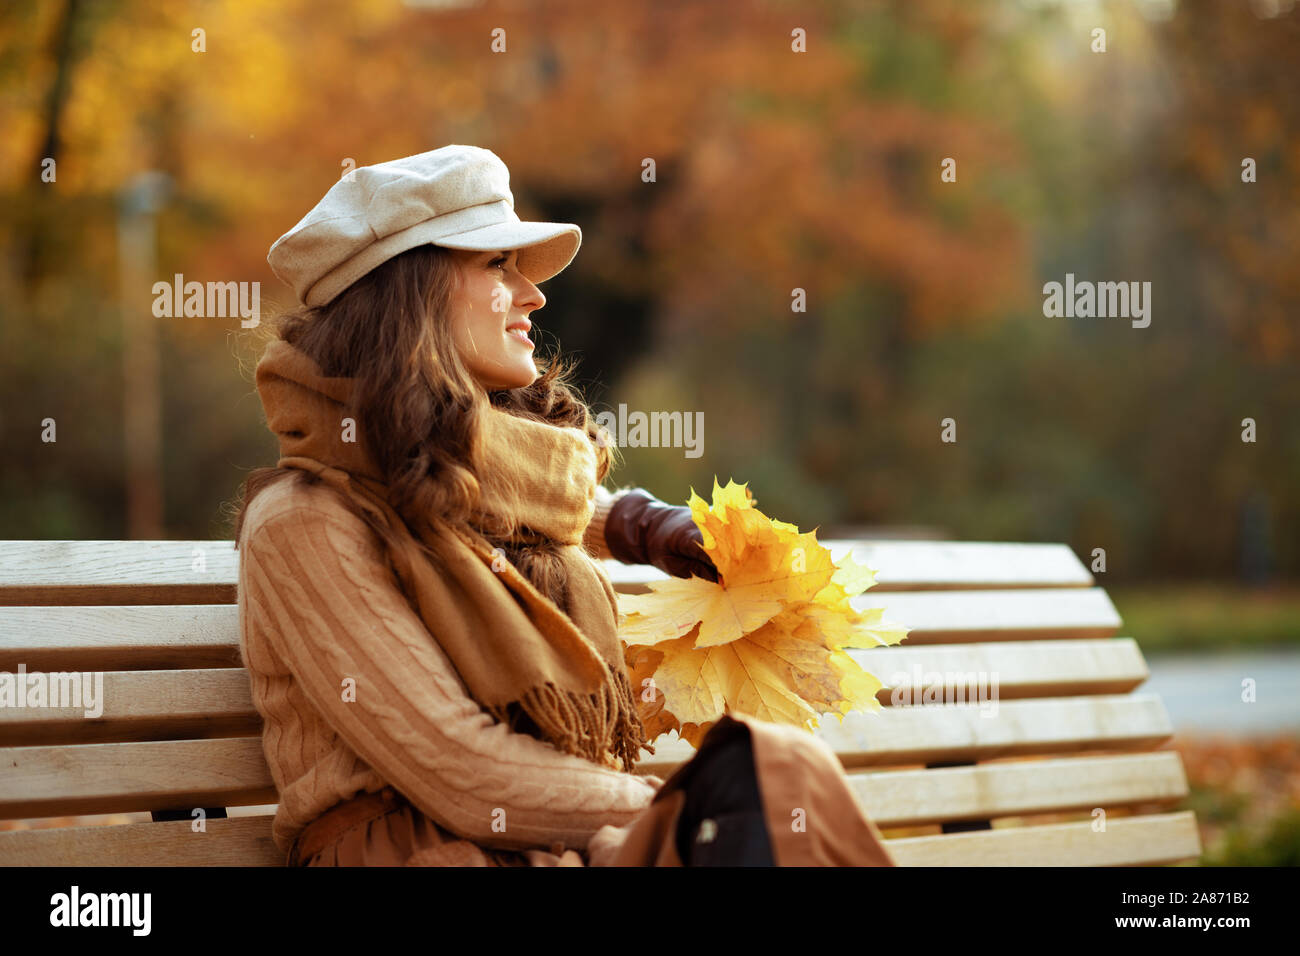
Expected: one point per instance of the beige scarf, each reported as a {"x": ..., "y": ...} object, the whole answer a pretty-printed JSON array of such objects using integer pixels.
[{"x": 510, "y": 644}]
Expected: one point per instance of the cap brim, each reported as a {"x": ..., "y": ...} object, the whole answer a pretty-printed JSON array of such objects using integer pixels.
[{"x": 545, "y": 248}]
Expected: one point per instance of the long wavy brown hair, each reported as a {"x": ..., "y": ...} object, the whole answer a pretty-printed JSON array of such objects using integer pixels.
[{"x": 417, "y": 406}]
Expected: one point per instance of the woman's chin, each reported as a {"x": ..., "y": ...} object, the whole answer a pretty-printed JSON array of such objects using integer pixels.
[
  {"x": 514, "y": 376},
  {"x": 527, "y": 375}
]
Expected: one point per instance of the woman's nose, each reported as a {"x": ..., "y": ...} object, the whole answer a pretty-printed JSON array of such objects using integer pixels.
[{"x": 531, "y": 294}]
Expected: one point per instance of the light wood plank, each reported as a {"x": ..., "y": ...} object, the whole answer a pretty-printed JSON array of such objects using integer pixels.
[
  {"x": 929, "y": 565},
  {"x": 949, "y": 673},
  {"x": 971, "y": 732},
  {"x": 113, "y": 638},
  {"x": 201, "y": 703},
  {"x": 948, "y": 565},
  {"x": 207, "y": 635},
  {"x": 105, "y": 778},
  {"x": 1128, "y": 841},
  {"x": 242, "y": 841},
  {"x": 944, "y": 617},
  {"x": 142, "y": 705},
  {"x": 898, "y": 798},
  {"x": 164, "y": 572},
  {"x": 906, "y": 798},
  {"x": 117, "y": 572},
  {"x": 113, "y": 778}
]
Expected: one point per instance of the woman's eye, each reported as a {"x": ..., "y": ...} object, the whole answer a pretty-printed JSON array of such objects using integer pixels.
[{"x": 499, "y": 261}]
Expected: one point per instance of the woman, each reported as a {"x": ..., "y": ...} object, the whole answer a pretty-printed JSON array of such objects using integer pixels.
[{"x": 431, "y": 646}]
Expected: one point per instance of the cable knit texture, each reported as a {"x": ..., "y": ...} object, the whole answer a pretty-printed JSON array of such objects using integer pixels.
[
  {"x": 594, "y": 539},
  {"x": 320, "y": 605}
]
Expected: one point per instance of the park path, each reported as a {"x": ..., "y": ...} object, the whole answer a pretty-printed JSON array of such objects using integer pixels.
[{"x": 1203, "y": 692}]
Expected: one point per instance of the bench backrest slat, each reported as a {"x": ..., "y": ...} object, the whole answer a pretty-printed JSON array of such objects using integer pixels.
[
  {"x": 149, "y": 638},
  {"x": 967, "y": 732},
  {"x": 137, "y": 705},
  {"x": 217, "y": 702},
  {"x": 906, "y": 798},
  {"x": 185, "y": 773},
  {"x": 1128, "y": 841},
  {"x": 55, "y": 779},
  {"x": 119, "y": 638},
  {"x": 123, "y": 777},
  {"x": 240, "y": 841},
  {"x": 68, "y": 573}
]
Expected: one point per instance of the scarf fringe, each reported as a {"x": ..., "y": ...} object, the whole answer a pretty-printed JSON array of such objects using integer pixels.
[{"x": 580, "y": 724}]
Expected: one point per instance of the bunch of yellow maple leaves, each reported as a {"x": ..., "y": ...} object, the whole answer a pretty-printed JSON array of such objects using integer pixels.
[{"x": 768, "y": 639}]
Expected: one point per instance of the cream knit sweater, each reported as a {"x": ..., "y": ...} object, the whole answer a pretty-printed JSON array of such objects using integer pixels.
[{"x": 312, "y": 572}]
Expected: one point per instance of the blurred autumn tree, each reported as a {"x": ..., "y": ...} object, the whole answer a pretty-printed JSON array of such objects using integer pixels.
[{"x": 774, "y": 171}]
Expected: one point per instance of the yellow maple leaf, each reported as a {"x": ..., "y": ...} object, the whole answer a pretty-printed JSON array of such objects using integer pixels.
[{"x": 766, "y": 639}]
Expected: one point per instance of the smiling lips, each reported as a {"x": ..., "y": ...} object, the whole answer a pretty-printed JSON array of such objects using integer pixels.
[{"x": 519, "y": 330}]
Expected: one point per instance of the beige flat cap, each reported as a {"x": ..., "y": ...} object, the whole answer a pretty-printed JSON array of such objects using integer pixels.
[{"x": 456, "y": 196}]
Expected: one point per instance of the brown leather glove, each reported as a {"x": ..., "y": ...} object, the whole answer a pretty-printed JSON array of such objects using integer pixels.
[{"x": 641, "y": 529}]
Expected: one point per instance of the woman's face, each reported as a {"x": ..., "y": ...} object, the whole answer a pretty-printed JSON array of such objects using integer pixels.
[{"x": 490, "y": 319}]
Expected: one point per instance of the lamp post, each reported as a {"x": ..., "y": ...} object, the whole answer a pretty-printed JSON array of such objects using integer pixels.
[{"x": 138, "y": 205}]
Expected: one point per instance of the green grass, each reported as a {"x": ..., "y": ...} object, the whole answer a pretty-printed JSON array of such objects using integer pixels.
[
  {"x": 1217, "y": 805},
  {"x": 1208, "y": 617},
  {"x": 1275, "y": 844}
]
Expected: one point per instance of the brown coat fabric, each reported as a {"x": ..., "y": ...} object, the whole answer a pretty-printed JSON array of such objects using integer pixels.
[
  {"x": 812, "y": 816},
  {"x": 812, "y": 819}
]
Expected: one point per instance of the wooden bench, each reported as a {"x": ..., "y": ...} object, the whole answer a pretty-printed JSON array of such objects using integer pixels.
[{"x": 179, "y": 731}]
